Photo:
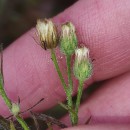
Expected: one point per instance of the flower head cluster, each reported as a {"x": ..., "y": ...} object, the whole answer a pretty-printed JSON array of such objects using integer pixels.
[
  {"x": 48, "y": 35},
  {"x": 68, "y": 45}
]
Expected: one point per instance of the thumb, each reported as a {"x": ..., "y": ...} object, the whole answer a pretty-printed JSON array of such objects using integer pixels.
[{"x": 29, "y": 72}]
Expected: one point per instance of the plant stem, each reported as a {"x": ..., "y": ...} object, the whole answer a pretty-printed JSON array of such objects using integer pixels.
[
  {"x": 22, "y": 122},
  {"x": 53, "y": 56},
  {"x": 70, "y": 88},
  {"x": 70, "y": 105},
  {"x": 80, "y": 90},
  {"x": 70, "y": 82},
  {"x": 66, "y": 107},
  {"x": 5, "y": 98}
]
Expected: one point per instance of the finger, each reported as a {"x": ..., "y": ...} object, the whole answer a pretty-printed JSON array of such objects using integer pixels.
[
  {"x": 29, "y": 71},
  {"x": 103, "y": 26},
  {"x": 101, "y": 127},
  {"x": 108, "y": 104}
]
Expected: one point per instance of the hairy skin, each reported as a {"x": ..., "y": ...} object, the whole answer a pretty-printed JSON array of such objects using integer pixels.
[{"x": 104, "y": 27}]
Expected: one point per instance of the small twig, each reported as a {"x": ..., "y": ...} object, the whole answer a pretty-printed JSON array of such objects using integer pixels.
[
  {"x": 49, "y": 119},
  {"x": 66, "y": 108},
  {"x": 35, "y": 121}
]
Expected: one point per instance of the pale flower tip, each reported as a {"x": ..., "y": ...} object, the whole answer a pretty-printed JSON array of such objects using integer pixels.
[
  {"x": 68, "y": 28},
  {"x": 82, "y": 54},
  {"x": 71, "y": 26}
]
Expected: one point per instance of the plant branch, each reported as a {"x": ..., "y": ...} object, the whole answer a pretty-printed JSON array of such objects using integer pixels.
[
  {"x": 22, "y": 122},
  {"x": 70, "y": 82},
  {"x": 53, "y": 56},
  {"x": 4, "y": 96},
  {"x": 79, "y": 95},
  {"x": 70, "y": 89}
]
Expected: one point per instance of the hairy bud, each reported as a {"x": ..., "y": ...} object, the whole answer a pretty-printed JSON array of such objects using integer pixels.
[
  {"x": 15, "y": 109},
  {"x": 68, "y": 39},
  {"x": 82, "y": 65}
]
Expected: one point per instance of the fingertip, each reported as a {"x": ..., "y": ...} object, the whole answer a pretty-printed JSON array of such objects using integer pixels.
[{"x": 98, "y": 28}]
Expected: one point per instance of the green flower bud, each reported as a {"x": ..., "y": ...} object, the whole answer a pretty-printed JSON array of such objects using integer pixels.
[
  {"x": 47, "y": 32},
  {"x": 15, "y": 109},
  {"x": 82, "y": 65},
  {"x": 68, "y": 39}
]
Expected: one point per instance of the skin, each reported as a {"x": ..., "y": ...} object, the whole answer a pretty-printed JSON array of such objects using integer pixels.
[{"x": 103, "y": 26}]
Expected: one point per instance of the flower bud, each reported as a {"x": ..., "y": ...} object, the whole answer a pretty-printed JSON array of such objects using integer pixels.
[
  {"x": 82, "y": 65},
  {"x": 15, "y": 109},
  {"x": 68, "y": 39},
  {"x": 47, "y": 32}
]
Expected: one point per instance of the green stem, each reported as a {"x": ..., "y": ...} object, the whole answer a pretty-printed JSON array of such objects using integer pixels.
[
  {"x": 5, "y": 98},
  {"x": 68, "y": 91},
  {"x": 70, "y": 82},
  {"x": 3, "y": 94},
  {"x": 70, "y": 105},
  {"x": 53, "y": 56},
  {"x": 66, "y": 107},
  {"x": 70, "y": 88},
  {"x": 22, "y": 122},
  {"x": 79, "y": 95}
]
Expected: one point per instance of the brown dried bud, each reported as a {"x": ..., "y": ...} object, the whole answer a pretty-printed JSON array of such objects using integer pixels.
[{"x": 47, "y": 32}]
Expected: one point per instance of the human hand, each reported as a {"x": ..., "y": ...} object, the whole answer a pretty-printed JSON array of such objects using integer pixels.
[{"x": 103, "y": 26}]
